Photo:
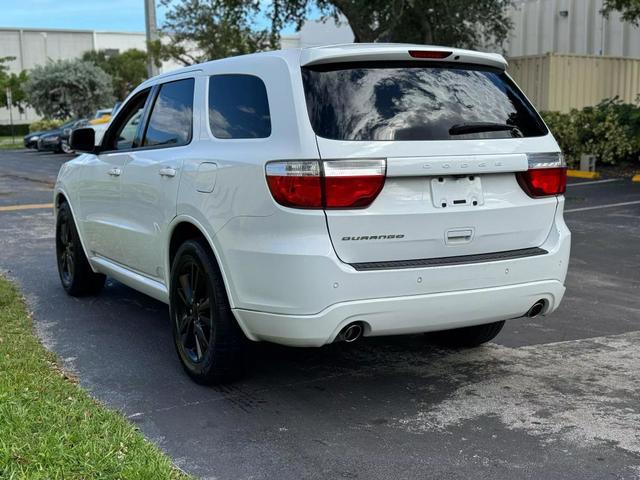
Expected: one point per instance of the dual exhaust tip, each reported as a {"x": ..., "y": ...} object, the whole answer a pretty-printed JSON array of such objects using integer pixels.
[
  {"x": 536, "y": 309},
  {"x": 354, "y": 331},
  {"x": 350, "y": 333}
]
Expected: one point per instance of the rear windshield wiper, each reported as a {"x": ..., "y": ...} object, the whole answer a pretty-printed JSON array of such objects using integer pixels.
[{"x": 478, "y": 127}]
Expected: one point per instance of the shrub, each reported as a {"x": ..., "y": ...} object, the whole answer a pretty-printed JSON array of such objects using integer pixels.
[
  {"x": 68, "y": 88},
  {"x": 44, "y": 124},
  {"x": 610, "y": 131}
]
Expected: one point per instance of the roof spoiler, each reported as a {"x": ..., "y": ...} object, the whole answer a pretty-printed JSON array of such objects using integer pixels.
[{"x": 383, "y": 52}]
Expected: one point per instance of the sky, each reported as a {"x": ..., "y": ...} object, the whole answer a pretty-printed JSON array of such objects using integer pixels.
[{"x": 111, "y": 15}]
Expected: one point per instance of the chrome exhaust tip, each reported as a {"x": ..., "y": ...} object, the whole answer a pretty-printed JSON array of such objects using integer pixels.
[
  {"x": 536, "y": 309},
  {"x": 350, "y": 333}
]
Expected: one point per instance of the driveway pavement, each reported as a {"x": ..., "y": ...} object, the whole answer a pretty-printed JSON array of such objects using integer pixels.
[{"x": 554, "y": 397}]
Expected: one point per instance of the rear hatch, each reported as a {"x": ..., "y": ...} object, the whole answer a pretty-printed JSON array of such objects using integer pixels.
[{"x": 453, "y": 137}]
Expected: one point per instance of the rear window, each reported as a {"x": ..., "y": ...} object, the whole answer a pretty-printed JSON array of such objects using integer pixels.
[{"x": 416, "y": 101}]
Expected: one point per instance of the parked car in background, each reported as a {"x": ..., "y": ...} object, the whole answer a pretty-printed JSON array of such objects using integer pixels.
[
  {"x": 31, "y": 140},
  {"x": 309, "y": 196},
  {"x": 102, "y": 116},
  {"x": 57, "y": 140}
]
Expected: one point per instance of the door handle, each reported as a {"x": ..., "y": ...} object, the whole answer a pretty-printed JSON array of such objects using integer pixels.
[
  {"x": 168, "y": 172},
  {"x": 115, "y": 172}
]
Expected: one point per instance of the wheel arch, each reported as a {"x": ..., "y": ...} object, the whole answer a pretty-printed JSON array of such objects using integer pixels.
[
  {"x": 60, "y": 197},
  {"x": 185, "y": 228}
]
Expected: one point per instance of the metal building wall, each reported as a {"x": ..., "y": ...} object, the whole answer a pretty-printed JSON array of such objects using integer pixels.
[
  {"x": 569, "y": 26},
  {"x": 561, "y": 82}
]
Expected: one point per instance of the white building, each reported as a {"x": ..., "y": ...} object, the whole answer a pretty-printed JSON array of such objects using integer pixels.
[{"x": 31, "y": 47}]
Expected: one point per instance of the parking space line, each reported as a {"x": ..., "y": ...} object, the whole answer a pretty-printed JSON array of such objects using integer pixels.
[
  {"x": 30, "y": 206},
  {"x": 593, "y": 182},
  {"x": 597, "y": 207}
]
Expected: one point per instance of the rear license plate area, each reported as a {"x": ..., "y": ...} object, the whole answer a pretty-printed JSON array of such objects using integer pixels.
[{"x": 457, "y": 191}]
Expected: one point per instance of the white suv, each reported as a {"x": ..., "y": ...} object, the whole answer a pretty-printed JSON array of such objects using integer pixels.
[{"x": 310, "y": 196}]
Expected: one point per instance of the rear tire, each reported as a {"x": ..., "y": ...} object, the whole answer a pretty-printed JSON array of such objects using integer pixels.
[
  {"x": 76, "y": 275},
  {"x": 209, "y": 343},
  {"x": 467, "y": 337}
]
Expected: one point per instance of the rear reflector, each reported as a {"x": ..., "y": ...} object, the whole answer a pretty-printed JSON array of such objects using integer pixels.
[
  {"x": 547, "y": 175},
  {"x": 428, "y": 54},
  {"x": 342, "y": 184}
]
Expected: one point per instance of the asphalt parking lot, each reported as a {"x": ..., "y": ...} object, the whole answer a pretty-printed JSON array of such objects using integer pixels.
[{"x": 556, "y": 397}]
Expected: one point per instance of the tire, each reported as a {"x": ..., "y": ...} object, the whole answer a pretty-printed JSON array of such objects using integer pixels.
[
  {"x": 75, "y": 272},
  {"x": 209, "y": 343},
  {"x": 467, "y": 337}
]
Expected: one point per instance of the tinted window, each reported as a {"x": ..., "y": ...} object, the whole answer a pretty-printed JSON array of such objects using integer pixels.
[
  {"x": 171, "y": 119},
  {"x": 122, "y": 134},
  {"x": 238, "y": 107},
  {"x": 409, "y": 101}
]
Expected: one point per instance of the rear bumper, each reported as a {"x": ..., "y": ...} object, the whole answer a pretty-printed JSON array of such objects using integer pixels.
[
  {"x": 403, "y": 315},
  {"x": 299, "y": 293}
]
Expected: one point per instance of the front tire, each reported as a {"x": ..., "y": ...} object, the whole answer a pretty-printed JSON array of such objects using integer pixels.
[
  {"x": 76, "y": 275},
  {"x": 208, "y": 340},
  {"x": 467, "y": 337}
]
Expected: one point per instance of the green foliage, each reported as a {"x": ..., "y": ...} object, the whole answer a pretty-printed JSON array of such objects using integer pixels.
[
  {"x": 610, "y": 131},
  {"x": 13, "y": 81},
  {"x": 203, "y": 30},
  {"x": 44, "y": 124},
  {"x": 127, "y": 69},
  {"x": 629, "y": 9},
  {"x": 456, "y": 23},
  {"x": 68, "y": 88},
  {"x": 52, "y": 429},
  {"x": 18, "y": 130}
]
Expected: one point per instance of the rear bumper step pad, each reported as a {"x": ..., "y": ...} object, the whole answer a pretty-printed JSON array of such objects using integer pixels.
[{"x": 447, "y": 261}]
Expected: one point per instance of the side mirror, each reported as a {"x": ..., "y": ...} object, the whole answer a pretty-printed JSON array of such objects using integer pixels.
[{"x": 83, "y": 140}]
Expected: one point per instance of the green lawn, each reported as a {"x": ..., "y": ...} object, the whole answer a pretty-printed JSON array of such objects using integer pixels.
[
  {"x": 49, "y": 427},
  {"x": 7, "y": 144}
]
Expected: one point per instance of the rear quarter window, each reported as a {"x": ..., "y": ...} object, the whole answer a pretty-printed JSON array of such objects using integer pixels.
[
  {"x": 238, "y": 107},
  {"x": 416, "y": 101}
]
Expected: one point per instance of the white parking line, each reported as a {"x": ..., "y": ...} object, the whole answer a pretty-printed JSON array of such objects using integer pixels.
[
  {"x": 597, "y": 207},
  {"x": 593, "y": 182}
]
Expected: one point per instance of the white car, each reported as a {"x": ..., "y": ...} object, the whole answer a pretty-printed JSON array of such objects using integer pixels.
[{"x": 316, "y": 195}]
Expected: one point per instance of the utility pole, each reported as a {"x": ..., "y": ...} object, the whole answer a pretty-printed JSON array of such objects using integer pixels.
[
  {"x": 9, "y": 106},
  {"x": 152, "y": 34}
]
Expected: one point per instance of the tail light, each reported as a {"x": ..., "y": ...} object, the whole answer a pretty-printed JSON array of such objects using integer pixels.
[
  {"x": 340, "y": 183},
  {"x": 295, "y": 184},
  {"x": 546, "y": 176}
]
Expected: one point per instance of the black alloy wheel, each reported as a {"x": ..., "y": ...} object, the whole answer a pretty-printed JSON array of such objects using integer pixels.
[
  {"x": 76, "y": 275},
  {"x": 193, "y": 315},
  {"x": 208, "y": 340}
]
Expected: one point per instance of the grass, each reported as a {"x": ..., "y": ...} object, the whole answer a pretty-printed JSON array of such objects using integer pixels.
[
  {"x": 7, "y": 144},
  {"x": 49, "y": 427}
]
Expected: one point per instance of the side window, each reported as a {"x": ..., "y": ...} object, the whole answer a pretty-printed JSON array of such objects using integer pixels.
[
  {"x": 238, "y": 107},
  {"x": 127, "y": 123},
  {"x": 171, "y": 120}
]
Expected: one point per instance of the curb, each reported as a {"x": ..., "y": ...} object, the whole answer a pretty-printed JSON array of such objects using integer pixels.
[
  {"x": 636, "y": 178},
  {"x": 583, "y": 174}
]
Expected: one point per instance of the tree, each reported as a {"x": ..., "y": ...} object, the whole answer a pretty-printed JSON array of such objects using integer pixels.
[
  {"x": 209, "y": 29},
  {"x": 127, "y": 69},
  {"x": 455, "y": 23},
  {"x": 15, "y": 83},
  {"x": 629, "y": 9},
  {"x": 68, "y": 88},
  {"x": 201, "y": 30}
]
